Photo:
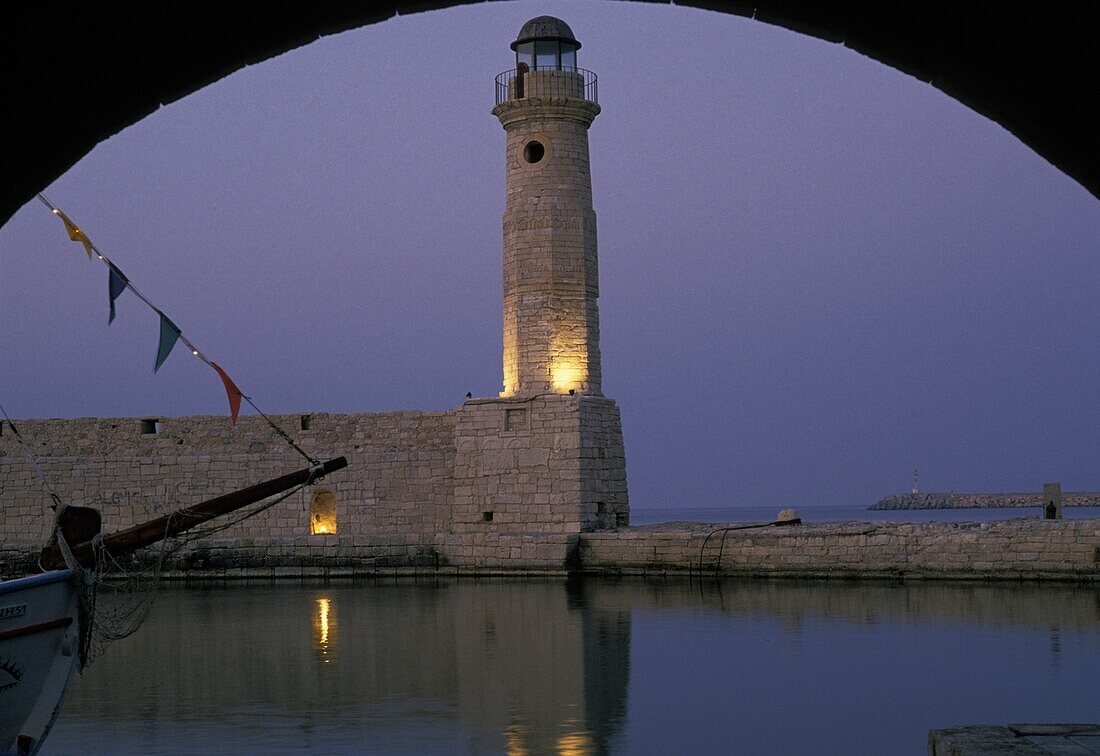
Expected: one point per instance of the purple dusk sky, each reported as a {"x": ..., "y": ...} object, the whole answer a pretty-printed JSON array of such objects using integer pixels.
[{"x": 817, "y": 273}]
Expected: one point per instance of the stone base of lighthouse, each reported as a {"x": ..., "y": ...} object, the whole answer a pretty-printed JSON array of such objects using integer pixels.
[{"x": 546, "y": 464}]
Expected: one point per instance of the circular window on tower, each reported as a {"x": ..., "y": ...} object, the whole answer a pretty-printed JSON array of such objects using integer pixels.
[{"x": 534, "y": 151}]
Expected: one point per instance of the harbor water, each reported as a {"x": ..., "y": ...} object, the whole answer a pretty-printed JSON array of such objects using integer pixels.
[{"x": 585, "y": 666}]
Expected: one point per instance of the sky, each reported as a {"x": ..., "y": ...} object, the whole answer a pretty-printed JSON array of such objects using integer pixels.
[{"x": 817, "y": 273}]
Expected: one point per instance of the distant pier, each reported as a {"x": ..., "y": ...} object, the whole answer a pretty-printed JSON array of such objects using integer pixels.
[{"x": 982, "y": 500}]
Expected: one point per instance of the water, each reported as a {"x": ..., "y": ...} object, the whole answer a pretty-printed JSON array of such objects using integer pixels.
[
  {"x": 846, "y": 513},
  {"x": 591, "y": 666}
]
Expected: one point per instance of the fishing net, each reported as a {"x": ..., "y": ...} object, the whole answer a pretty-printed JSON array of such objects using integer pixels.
[{"x": 115, "y": 596}]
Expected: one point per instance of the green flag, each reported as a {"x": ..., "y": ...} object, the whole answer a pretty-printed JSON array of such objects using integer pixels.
[{"x": 168, "y": 335}]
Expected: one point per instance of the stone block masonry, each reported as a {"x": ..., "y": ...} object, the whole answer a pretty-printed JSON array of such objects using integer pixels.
[
  {"x": 550, "y": 267},
  {"x": 398, "y": 480},
  {"x": 506, "y": 485},
  {"x": 1011, "y": 549},
  {"x": 492, "y": 483},
  {"x": 548, "y": 464}
]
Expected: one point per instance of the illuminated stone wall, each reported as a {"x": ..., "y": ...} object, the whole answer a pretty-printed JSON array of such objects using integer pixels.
[
  {"x": 549, "y": 463},
  {"x": 420, "y": 487},
  {"x": 551, "y": 282},
  {"x": 398, "y": 479}
]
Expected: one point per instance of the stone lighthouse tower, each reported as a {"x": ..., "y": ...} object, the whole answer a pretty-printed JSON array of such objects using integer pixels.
[
  {"x": 546, "y": 455},
  {"x": 551, "y": 320}
]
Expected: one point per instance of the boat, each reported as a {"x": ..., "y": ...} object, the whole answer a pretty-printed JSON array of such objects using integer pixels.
[{"x": 46, "y": 618}]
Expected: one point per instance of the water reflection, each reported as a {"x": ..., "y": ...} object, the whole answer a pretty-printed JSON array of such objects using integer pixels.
[
  {"x": 585, "y": 667},
  {"x": 321, "y": 628}
]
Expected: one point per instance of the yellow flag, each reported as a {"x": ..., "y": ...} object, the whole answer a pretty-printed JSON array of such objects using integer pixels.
[{"x": 75, "y": 233}]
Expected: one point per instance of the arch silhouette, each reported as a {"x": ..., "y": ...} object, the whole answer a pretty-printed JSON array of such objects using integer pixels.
[{"x": 75, "y": 78}]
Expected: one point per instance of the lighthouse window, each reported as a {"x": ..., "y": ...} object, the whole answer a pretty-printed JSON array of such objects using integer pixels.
[
  {"x": 525, "y": 53},
  {"x": 568, "y": 56},
  {"x": 546, "y": 54},
  {"x": 533, "y": 151}
]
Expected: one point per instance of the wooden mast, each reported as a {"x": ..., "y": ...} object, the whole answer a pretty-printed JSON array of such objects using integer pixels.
[{"x": 181, "y": 520}]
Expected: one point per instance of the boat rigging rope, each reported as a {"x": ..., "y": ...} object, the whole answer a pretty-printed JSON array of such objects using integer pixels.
[
  {"x": 130, "y": 588},
  {"x": 32, "y": 458}
]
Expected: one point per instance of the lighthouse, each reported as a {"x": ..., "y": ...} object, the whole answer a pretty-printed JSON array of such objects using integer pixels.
[
  {"x": 551, "y": 283},
  {"x": 545, "y": 456}
]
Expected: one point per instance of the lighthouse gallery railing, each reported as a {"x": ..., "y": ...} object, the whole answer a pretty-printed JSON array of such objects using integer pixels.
[{"x": 572, "y": 83}]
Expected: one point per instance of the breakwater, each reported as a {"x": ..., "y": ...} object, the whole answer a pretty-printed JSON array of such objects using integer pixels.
[
  {"x": 1060, "y": 550},
  {"x": 1011, "y": 549},
  {"x": 981, "y": 500}
]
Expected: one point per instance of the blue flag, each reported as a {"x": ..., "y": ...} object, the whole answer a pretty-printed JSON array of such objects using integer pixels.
[
  {"x": 116, "y": 284},
  {"x": 168, "y": 335}
]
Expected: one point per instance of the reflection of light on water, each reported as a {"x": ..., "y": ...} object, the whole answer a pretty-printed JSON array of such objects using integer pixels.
[
  {"x": 322, "y": 609},
  {"x": 321, "y": 625},
  {"x": 514, "y": 736},
  {"x": 574, "y": 744}
]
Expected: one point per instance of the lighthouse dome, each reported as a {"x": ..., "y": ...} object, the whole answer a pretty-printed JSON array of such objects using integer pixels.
[
  {"x": 546, "y": 43},
  {"x": 546, "y": 28}
]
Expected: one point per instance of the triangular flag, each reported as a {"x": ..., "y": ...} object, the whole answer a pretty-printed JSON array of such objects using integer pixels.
[
  {"x": 75, "y": 234},
  {"x": 116, "y": 284},
  {"x": 231, "y": 391},
  {"x": 168, "y": 335}
]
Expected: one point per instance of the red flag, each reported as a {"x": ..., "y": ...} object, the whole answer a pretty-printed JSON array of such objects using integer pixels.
[
  {"x": 231, "y": 391},
  {"x": 75, "y": 233}
]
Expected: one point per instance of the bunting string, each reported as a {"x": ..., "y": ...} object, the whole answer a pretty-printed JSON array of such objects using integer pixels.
[{"x": 170, "y": 333}]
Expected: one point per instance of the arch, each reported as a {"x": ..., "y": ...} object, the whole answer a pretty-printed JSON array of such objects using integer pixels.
[
  {"x": 322, "y": 513},
  {"x": 1031, "y": 73}
]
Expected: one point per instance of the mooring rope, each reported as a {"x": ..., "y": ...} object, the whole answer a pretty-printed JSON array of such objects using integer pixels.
[{"x": 726, "y": 530}]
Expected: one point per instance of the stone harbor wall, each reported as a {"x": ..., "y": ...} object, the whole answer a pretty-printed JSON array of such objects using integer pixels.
[
  {"x": 398, "y": 479},
  {"x": 509, "y": 485},
  {"x": 550, "y": 464},
  {"x": 1049, "y": 550},
  {"x": 1010, "y": 549},
  {"x": 981, "y": 500}
]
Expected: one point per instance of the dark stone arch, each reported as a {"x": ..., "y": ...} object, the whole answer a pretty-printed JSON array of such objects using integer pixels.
[{"x": 76, "y": 74}]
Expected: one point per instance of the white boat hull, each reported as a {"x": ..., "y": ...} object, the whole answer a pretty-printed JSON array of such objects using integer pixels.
[{"x": 39, "y": 649}]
